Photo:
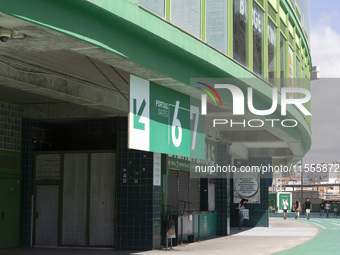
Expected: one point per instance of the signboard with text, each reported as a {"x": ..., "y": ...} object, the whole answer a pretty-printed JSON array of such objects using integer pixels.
[
  {"x": 164, "y": 121},
  {"x": 247, "y": 186},
  {"x": 188, "y": 164}
]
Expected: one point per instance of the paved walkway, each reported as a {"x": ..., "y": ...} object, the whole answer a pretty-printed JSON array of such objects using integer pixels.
[
  {"x": 281, "y": 235},
  {"x": 326, "y": 242}
]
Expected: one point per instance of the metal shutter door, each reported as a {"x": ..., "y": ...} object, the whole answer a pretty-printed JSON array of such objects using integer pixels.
[
  {"x": 183, "y": 196},
  {"x": 102, "y": 199},
  {"x": 194, "y": 194},
  {"x": 75, "y": 199},
  {"x": 172, "y": 191}
]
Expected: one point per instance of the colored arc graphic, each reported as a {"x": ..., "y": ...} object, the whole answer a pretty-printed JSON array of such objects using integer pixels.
[
  {"x": 208, "y": 92},
  {"x": 213, "y": 90}
]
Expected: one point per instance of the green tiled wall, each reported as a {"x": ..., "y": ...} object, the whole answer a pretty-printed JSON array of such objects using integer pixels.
[
  {"x": 222, "y": 194},
  {"x": 259, "y": 215},
  {"x": 138, "y": 201}
]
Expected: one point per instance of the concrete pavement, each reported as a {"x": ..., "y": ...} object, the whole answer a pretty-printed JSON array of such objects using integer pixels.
[{"x": 280, "y": 236}]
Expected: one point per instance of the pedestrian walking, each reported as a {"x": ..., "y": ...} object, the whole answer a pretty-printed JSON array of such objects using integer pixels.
[
  {"x": 240, "y": 214},
  {"x": 297, "y": 207},
  {"x": 308, "y": 207},
  {"x": 336, "y": 209},
  {"x": 328, "y": 208},
  {"x": 285, "y": 208},
  {"x": 322, "y": 208}
]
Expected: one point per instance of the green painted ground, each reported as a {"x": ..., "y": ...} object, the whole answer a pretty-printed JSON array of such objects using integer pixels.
[{"x": 326, "y": 242}]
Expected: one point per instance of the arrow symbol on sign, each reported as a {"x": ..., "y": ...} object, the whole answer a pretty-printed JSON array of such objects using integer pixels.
[{"x": 137, "y": 116}]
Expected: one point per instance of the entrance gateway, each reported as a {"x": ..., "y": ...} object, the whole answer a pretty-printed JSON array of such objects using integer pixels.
[{"x": 74, "y": 202}]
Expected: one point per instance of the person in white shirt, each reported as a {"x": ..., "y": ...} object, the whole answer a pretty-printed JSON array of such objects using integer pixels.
[{"x": 285, "y": 208}]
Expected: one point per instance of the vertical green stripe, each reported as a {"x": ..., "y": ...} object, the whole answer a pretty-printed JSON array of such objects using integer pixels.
[
  {"x": 278, "y": 59},
  {"x": 277, "y": 49},
  {"x": 203, "y": 19},
  {"x": 265, "y": 68},
  {"x": 168, "y": 9},
  {"x": 230, "y": 28},
  {"x": 250, "y": 35}
]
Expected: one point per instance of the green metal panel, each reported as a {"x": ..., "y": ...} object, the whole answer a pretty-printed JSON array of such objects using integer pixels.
[
  {"x": 278, "y": 72},
  {"x": 2, "y": 210},
  {"x": 203, "y": 19},
  {"x": 250, "y": 36},
  {"x": 168, "y": 9},
  {"x": 10, "y": 163},
  {"x": 9, "y": 212},
  {"x": 272, "y": 196},
  {"x": 230, "y": 28},
  {"x": 265, "y": 43},
  {"x": 208, "y": 225},
  {"x": 282, "y": 197}
]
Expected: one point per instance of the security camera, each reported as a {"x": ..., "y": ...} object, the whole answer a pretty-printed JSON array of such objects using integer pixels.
[{"x": 5, "y": 34}]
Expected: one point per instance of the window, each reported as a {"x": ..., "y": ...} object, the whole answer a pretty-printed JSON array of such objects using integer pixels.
[
  {"x": 271, "y": 52},
  {"x": 291, "y": 66},
  {"x": 240, "y": 21},
  {"x": 282, "y": 60},
  {"x": 187, "y": 15},
  {"x": 298, "y": 79},
  {"x": 217, "y": 22},
  {"x": 157, "y": 6},
  {"x": 257, "y": 38}
]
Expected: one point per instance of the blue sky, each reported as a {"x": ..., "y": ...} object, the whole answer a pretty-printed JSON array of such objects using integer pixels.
[
  {"x": 323, "y": 10},
  {"x": 325, "y": 51}
]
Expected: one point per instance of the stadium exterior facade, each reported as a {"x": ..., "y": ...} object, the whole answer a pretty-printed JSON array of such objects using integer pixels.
[{"x": 67, "y": 175}]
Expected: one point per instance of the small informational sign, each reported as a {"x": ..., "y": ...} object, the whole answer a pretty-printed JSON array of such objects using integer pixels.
[
  {"x": 247, "y": 186},
  {"x": 156, "y": 169}
]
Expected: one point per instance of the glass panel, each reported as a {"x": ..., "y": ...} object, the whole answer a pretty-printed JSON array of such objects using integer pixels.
[
  {"x": 271, "y": 52},
  {"x": 304, "y": 6},
  {"x": 240, "y": 21},
  {"x": 187, "y": 15},
  {"x": 257, "y": 38},
  {"x": 298, "y": 76},
  {"x": 217, "y": 22},
  {"x": 157, "y": 6},
  {"x": 291, "y": 67},
  {"x": 282, "y": 60}
]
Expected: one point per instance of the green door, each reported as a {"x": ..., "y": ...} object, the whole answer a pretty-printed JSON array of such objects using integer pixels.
[
  {"x": 9, "y": 212},
  {"x": 281, "y": 198},
  {"x": 2, "y": 212}
]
